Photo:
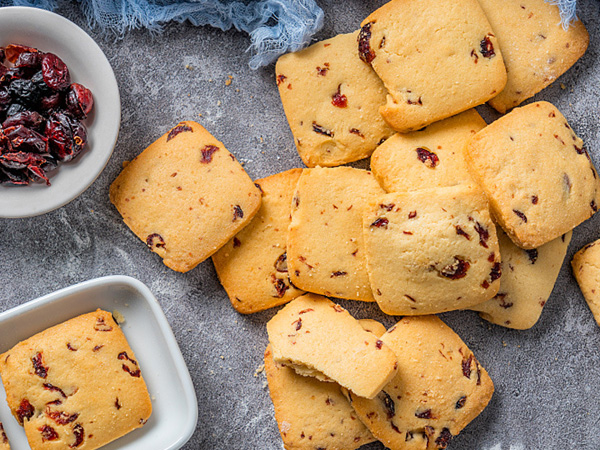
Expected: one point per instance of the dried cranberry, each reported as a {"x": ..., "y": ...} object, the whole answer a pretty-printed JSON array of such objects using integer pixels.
[
  {"x": 23, "y": 139},
  {"x": 55, "y": 71},
  {"x": 484, "y": 234},
  {"x": 29, "y": 119},
  {"x": 38, "y": 366},
  {"x": 25, "y": 91},
  {"x": 382, "y": 222},
  {"x": 61, "y": 417},
  {"x": 443, "y": 439},
  {"x": 487, "y": 47},
  {"x": 466, "y": 366},
  {"x": 25, "y": 410},
  {"x": 174, "y": 132},
  {"x": 38, "y": 80},
  {"x": 30, "y": 60},
  {"x": 496, "y": 272},
  {"x": 520, "y": 215},
  {"x": 281, "y": 263},
  {"x": 15, "y": 108},
  {"x": 532, "y": 254},
  {"x": 13, "y": 51},
  {"x": 79, "y": 433},
  {"x": 207, "y": 153},
  {"x": 21, "y": 160},
  {"x": 321, "y": 130},
  {"x": 426, "y": 414},
  {"x": 79, "y": 101},
  {"x": 427, "y": 157},
  {"x": 456, "y": 270},
  {"x": 389, "y": 404},
  {"x": 365, "y": 51},
  {"x": 460, "y": 402},
  {"x": 53, "y": 388},
  {"x": 338, "y": 99},
  {"x": 48, "y": 433},
  {"x": 13, "y": 177},
  {"x": 50, "y": 101},
  {"x": 238, "y": 213},
  {"x": 66, "y": 136}
]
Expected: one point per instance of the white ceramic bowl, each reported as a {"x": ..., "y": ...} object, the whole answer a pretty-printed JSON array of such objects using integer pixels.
[
  {"x": 88, "y": 66},
  {"x": 174, "y": 405}
]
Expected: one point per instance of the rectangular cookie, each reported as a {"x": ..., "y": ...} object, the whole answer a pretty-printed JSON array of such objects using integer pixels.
[
  {"x": 586, "y": 268},
  {"x": 185, "y": 196},
  {"x": 331, "y": 100},
  {"x": 310, "y": 330},
  {"x": 440, "y": 387},
  {"x": 536, "y": 48},
  {"x": 104, "y": 399},
  {"x": 436, "y": 58},
  {"x": 325, "y": 249},
  {"x": 431, "y": 157},
  {"x": 431, "y": 251},
  {"x": 536, "y": 173},
  {"x": 528, "y": 277},
  {"x": 252, "y": 267}
]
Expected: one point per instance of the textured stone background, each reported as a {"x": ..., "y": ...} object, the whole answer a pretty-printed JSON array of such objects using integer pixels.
[{"x": 546, "y": 378}]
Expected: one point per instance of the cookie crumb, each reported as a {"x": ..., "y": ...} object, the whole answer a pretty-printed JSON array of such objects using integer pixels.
[
  {"x": 562, "y": 86},
  {"x": 119, "y": 318},
  {"x": 229, "y": 79},
  {"x": 259, "y": 370}
]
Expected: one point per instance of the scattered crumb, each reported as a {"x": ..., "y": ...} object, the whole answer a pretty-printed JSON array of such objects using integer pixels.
[
  {"x": 219, "y": 103},
  {"x": 199, "y": 114},
  {"x": 503, "y": 344},
  {"x": 237, "y": 90},
  {"x": 265, "y": 384},
  {"x": 119, "y": 318},
  {"x": 259, "y": 370},
  {"x": 228, "y": 81},
  {"x": 562, "y": 86},
  {"x": 210, "y": 80},
  {"x": 222, "y": 357},
  {"x": 125, "y": 164},
  {"x": 188, "y": 67},
  {"x": 153, "y": 397}
]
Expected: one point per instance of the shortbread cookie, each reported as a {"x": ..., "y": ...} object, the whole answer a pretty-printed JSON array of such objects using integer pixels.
[
  {"x": 440, "y": 387},
  {"x": 431, "y": 251},
  {"x": 325, "y": 244},
  {"x": 536, "y": 48},
  {"x": 432, "y": 157},
  {"x": 59, "y": 407},
  {"x": 528, "y": 277},
  {"x": 331, "y": 100},
  {"x": 4, "y": 444},
  {"x": 436, "y": 58},
  {"x": 307, "y": 330},
  {"x": 310, "y": 413},
  {"x": 586, "y": 268},
  {"x": 185, "y": 196},
  {"x": 536, "y": 173},
  {"x": 253, "y": 265},
  {"x": 372, "y": 326}
]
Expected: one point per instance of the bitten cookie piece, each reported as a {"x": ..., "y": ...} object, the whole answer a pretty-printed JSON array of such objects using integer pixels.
[
  {"x": 185, "y": 196},
  {"x": 331, "y": 100},
  {"x": 528, "y": 277},
  {"x": 535, "y": 46},
  {"x": 431, "y": 251},
  {"x": 307, "y": 330},
  {"x": 440, "y": 387},
  {"x": 536, "y": 173},
  {"x": 586, "y": 268},
  {"x": 4, "y": 445},
  {"x": 432, "y": 157},
  {"x": 325, "y": 244},
  {"x": 436, "y": 58},
  {"x": 253, "y": 265},
  {"x": 59, "y": 407}
]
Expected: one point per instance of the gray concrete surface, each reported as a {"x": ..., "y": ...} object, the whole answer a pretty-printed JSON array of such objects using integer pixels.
[{"x": 546, "y": 378}]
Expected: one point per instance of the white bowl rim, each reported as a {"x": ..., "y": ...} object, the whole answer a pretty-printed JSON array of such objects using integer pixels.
[{"x": 19, "y": 205}]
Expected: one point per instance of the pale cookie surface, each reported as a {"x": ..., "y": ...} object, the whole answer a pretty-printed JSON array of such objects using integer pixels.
[
  {"x": 586, "y": 268},
  {"x": 253, "y": 265},
  {"x": 312, "y": 414},
  {"x": 310, "y": 329},
  {"x": 436, "y": 58},
  {"x": 325, "y": 244},
  {"x": 528, "y": 277},
  {"x": 432, "y": 157},
  {"x": 331, "y": 100},
  {"x": 185, "y": 196},
  {"x": 431, "y": 251},
  {"x": 535, "y": 46},
  {"x": 536, "y": 173},
  {"x": 4, "y": 444},
  {"x": 440, "y": 387},
  {"x": 104, "y": 399}
]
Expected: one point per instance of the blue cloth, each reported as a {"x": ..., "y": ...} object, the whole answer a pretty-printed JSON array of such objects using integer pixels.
[{"x": 275, "y": 26}]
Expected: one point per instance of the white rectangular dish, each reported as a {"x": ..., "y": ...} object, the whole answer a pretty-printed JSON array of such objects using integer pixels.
[{"x": 175, "y": 409}]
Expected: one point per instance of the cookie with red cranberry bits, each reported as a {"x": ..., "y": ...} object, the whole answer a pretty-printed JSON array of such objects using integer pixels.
[
  {"x": 535, "y": 46},
  {"x": 432, "y": 157},
  {"x": 536, "y": 172},
  {"x": 586, "y": 268},
  {"x": 435, "y": 57},
  {"x": 341, "y": 122},
  {"x": 305, "y": 332},
  {"x": 5, "y": 445},
  {"x": 528, "y": 277},
  {"x": 185, "y": 196},
  {"x": 104, "y": 399},
  {"x": 252, "y": 267},
  {"x": 325, "y": 243},
  {"x": 440, "y": 387},
  {"x": 311, "y": 413},
  {"x": 431, "y": 251}
]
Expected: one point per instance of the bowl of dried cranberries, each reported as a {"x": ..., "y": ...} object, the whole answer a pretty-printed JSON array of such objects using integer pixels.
[{"x": 60, "y": 111}]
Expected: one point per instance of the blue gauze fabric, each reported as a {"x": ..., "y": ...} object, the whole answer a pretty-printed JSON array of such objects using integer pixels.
[{"x": 274, "y": 26}]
